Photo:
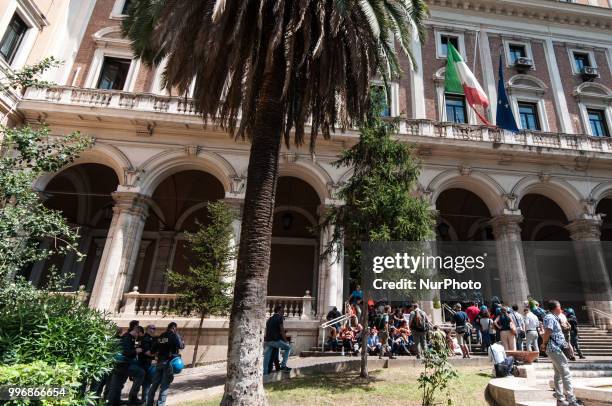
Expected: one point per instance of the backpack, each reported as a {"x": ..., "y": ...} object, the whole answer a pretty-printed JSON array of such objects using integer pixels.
[
  {"x": 506, "y": 368},
  {"x": 418, "y": 323},
  {"x": 379, "y": 322}
]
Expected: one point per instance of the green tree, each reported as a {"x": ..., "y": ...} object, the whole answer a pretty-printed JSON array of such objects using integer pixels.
[
  {"x": 262, "y": 69},
  {"x": 379, "y": 198},
  {"x": 436, "y": 378},
  {"x": 206, "y": 288},
  {"x": 26, "y": 153},
  {"x": 34, "y": 349}
]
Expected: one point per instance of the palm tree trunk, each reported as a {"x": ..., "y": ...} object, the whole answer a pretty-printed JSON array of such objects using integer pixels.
[
  {"x": 197, "y": 343},
  {"x": 243, "y": 385}
]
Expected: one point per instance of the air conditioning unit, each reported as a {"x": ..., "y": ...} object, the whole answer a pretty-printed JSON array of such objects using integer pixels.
[
  {"x": 523, "y": 63},
  {"x": 589, "y": 72}
]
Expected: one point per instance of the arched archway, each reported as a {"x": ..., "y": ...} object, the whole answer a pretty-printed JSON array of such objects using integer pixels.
[
  {"x": 177, "y": 205},
  {"x": 294, "y": 260},
  {"x": 543, "y": 219},
  {"x": 82, "y": 192},
  {"x": 552, "y": 269},
  {"x": 604, "y": 207},
  {"x": 463, "y": 216}
]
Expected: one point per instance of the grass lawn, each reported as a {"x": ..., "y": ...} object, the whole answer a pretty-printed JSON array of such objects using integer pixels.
[{"x": 396, "y": 386}]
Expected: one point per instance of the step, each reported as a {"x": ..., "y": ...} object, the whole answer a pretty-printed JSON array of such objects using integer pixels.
[
  {"x": 545, "y": 363},
  {"x": 575, "y": 373}
]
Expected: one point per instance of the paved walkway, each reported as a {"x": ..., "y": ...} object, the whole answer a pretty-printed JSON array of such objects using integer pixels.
[{"x": 206, "y": 382}]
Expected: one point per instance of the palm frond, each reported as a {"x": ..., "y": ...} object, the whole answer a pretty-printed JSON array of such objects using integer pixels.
[{"x": 329, "y": 50}]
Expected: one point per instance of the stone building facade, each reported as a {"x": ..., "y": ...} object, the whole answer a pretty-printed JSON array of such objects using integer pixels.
[{"x": 155, "y": 163}]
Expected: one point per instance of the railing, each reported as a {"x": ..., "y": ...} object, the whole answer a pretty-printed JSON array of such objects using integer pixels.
[
  {"x": 146, "y": 102},
  {"x": 340, "y": 319},
  {"x": 599, "y": 318},
  {"x": 81, "y": 295},
  {"x": 158, "y": 304}
]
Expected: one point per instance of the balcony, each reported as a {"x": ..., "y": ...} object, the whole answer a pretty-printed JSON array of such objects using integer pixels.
[
  {"x": 155, "y": 305},
  {"x": 144, "y": 106}
]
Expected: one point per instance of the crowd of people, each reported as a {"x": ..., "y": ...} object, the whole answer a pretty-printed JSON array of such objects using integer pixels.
[
  {"x": 407, "y": 330},
  {"x": 149, "y": 360},
  {"x": 517, "y": 329},
  {"x": 554, "y": 344}
]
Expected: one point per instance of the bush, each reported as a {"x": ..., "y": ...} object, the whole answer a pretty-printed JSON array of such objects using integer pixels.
[
  {"x": 40, "y": 374},
  {"x": 41, "y": 326}
]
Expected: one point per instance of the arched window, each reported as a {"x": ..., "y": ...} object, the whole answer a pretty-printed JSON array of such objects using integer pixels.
[
  {"x": 451, "y": 107},
  {"x": 525, "y": 93},
  {"x": 595, "y": 104},
  {"x": 113, "y": 66}
]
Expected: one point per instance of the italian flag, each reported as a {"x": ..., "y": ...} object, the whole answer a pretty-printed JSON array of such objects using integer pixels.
[{"x": 460, "y": 80}]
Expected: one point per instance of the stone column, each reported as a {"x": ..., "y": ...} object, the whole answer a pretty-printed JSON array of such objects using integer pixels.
[
  {"x": 78, "y": 266},
  {"x": 142, "y": 251},
  {"x": 331, "y": 276},
  {"x": 39, "y": 267},
  {"x": 510, "y": 258},
  {"x": 120, "y": 251},
  {"x": 163, "y": 253},
  {"x": 100, "y": 243},
  {"x": 586, "y": 234},
  {"x": 236, "y": 205}
]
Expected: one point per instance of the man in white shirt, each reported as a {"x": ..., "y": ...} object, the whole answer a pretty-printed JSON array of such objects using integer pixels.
[
  {"x": 531, "y": 330},
  {"x": 497, "y": 354},
  {"x": 519, "y": 324}
]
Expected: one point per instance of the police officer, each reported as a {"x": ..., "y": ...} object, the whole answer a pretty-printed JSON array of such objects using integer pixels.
[
  {"x": 127, "y": 366},
  {"x": 146, "y": 357},
  {"x": 165, "y": 348}
]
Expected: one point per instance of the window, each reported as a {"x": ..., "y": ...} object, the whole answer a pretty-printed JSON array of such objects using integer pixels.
[
  {"x": 516, "y": 51},
  {"x": 445, "y": 39},
  {"x": 581, "y": 60},
  {"x": 597, "y": 121},
  {"x": 529, "y": 116},
  {"x": 114, "y": 73},
  {"x": 455, "y": 109},
  {"x": 12, "y": 38},
  {"x": 379, "y": 92},
  {"x": 126, "y": 5}
]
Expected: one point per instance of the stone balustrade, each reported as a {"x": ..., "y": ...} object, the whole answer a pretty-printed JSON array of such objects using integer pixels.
[
  {"x": 147, "y": 102},
  {"x": 158, "y": 304}
]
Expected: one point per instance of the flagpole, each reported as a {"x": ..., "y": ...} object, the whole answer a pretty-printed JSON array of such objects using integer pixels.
[{"x": 475, "y": 50}]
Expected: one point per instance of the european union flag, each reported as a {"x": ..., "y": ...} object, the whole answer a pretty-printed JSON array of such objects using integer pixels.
[{"x": 505, "y": 117}]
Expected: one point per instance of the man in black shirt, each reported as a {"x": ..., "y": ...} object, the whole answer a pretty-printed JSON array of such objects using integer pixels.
[
  {"x": 146, "y": 357},
  {"x": 127, "y": 366},
  {"x": 275, "y": 338},
  {"x": 166, "y": 347}
]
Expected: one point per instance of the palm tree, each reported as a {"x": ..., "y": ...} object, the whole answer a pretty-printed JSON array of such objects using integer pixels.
[{"x": 261, "y": 69}]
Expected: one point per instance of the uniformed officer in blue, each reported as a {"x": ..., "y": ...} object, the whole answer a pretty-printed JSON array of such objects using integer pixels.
[
  {"x": 127, "y": 366},
  {"x": 166, "y": 349}
]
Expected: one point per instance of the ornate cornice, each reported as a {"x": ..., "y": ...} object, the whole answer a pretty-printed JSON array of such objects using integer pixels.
[{"x": 548, "y": 11}]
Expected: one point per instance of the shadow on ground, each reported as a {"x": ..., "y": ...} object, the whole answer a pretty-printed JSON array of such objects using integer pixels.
[
  {"x": 330, "y": 383},
  {"x": 205, "y": 382}
]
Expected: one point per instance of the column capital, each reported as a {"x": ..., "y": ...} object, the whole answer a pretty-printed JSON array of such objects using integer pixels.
[
  {"x": 236, "y": 204},
  {"x": 585, "y": 229},
  {"x": 505, "y": 224},
  {"x": 131, "y": 202}
]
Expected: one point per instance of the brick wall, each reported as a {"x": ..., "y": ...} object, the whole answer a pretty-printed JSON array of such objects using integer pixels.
[
  {"x": 100, "y": 19},
  {"x": 571, "y": 81}
]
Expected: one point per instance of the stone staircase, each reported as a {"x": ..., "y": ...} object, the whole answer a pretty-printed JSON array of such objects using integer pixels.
[
  {"x": 595, "y": 342},
  {"x": 534, "y": 388}
]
